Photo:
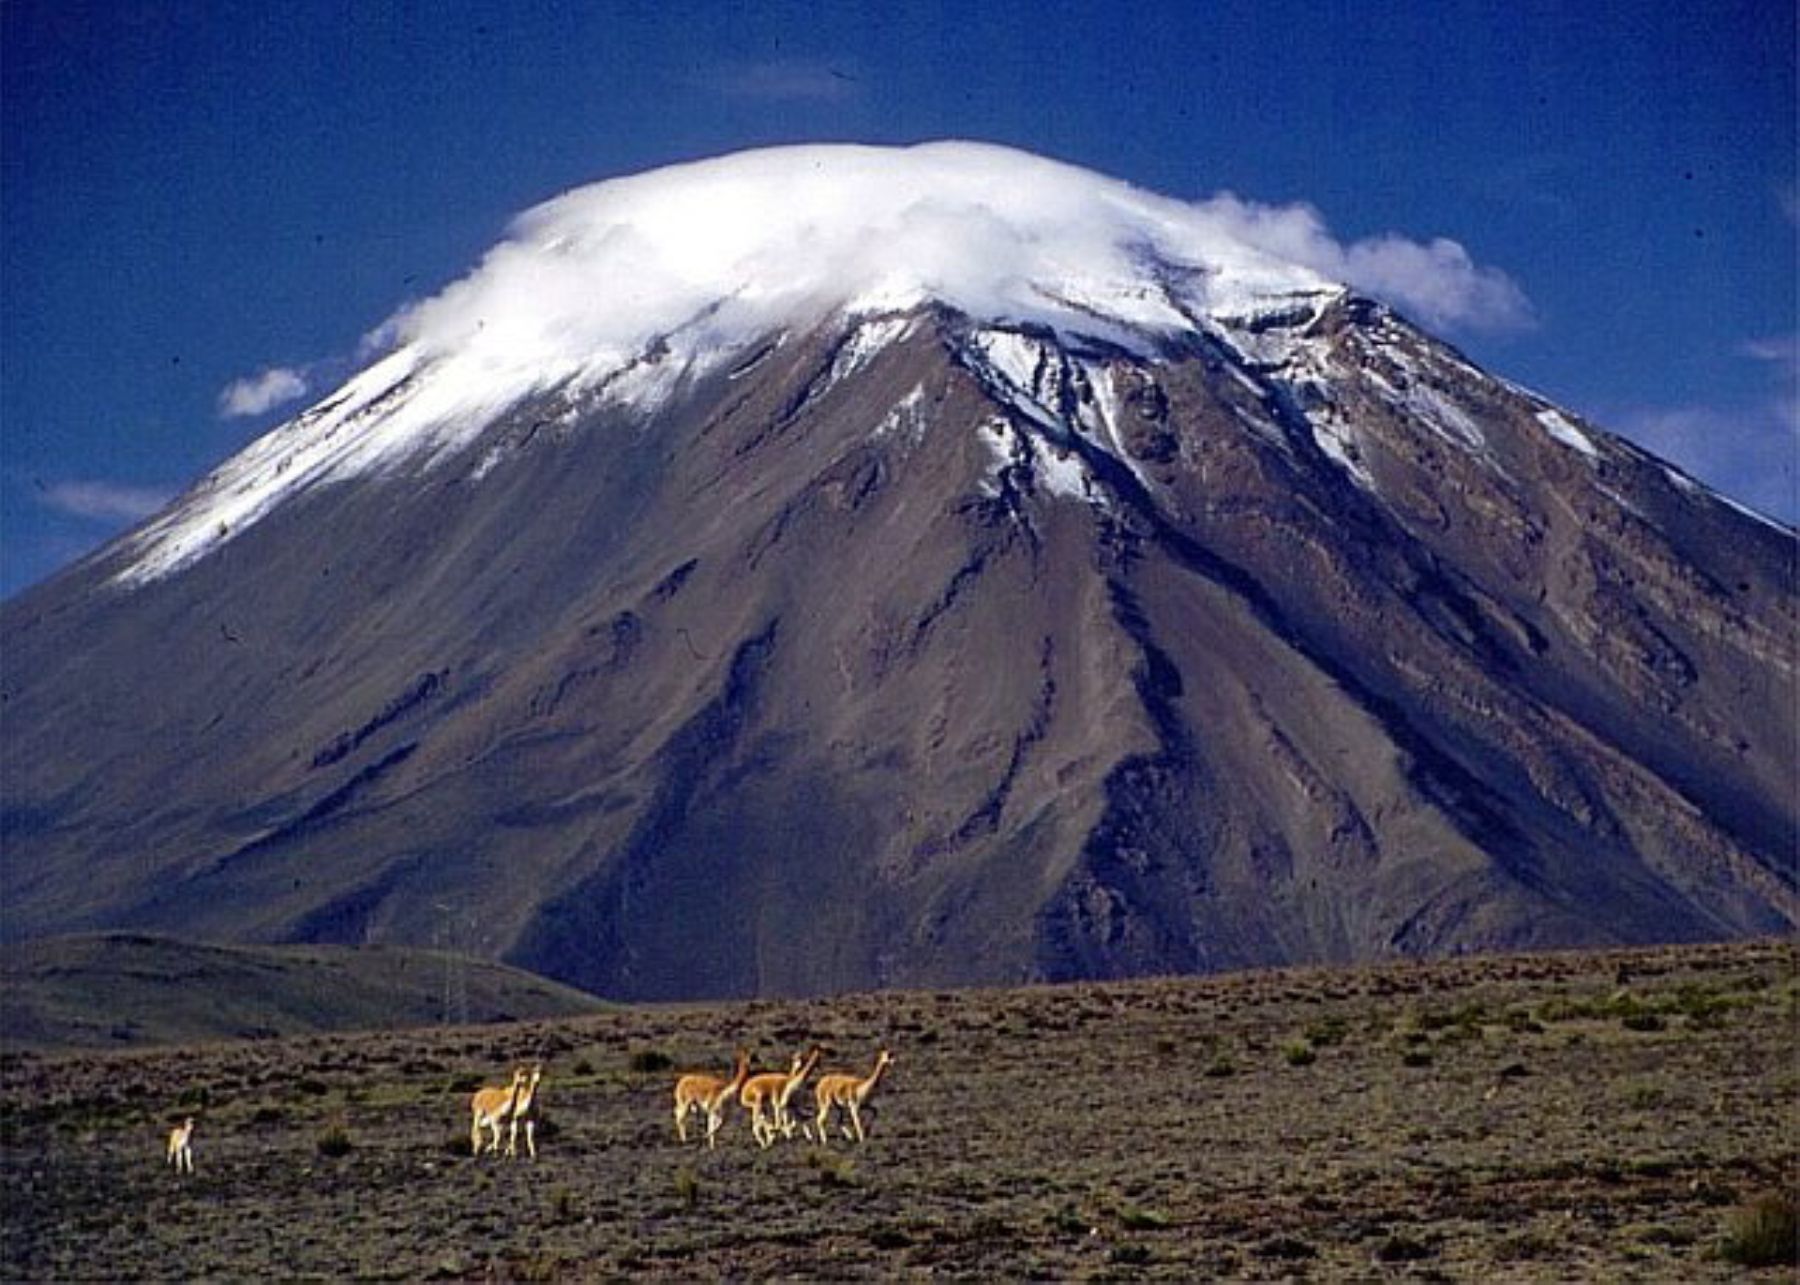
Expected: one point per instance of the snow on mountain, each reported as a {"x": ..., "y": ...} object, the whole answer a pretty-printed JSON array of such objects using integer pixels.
[
  {"x": 626, "y": 291},
  {"x": 621, "y": 290}
]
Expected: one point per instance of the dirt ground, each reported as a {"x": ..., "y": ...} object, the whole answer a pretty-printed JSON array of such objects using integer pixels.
[{"x": 1554, "y": 1117}]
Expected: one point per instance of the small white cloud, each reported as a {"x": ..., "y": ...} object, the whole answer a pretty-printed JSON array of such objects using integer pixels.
[
  {"x": 1436, "y": 281},
  {"x": 262, "y": 392},
  {"x": 105, "y": 501}
]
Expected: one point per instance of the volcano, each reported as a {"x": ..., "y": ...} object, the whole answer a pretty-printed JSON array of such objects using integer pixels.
[{"x": 835, "y": 567}]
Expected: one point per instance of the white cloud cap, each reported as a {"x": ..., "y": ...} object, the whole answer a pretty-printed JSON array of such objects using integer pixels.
[{"x": 776, "y": 237}]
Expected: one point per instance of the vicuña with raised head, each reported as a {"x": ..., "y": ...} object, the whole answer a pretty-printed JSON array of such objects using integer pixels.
[
  {"x": 849, "y": 1092},
  {"x": 784, "y": 1119},
  {"x": 524, "y": 1111}
]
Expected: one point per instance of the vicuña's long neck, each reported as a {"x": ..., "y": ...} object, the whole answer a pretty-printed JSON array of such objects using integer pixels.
[
  {"x": 868, "y": 1086},
  {"x": 743, "y": 1073}
]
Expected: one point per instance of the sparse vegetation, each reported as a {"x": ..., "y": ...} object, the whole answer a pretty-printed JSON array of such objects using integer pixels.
[
  {"x": 1763, "y": 1233},
  {"x": 650, "y": 1062},
  {"x": 334, "y": 1140},
  {"x": 1582, "y": 1151}
]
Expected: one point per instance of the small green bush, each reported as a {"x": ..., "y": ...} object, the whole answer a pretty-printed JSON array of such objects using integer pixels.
[
  {"x": 1327, "y": 1032},
  {"x": 335, "y": 1141},
  {"x": 687, "y": 1187},
  {"x": 1299, "y": 1053},
  {"x": 650, "y": 1061},
  {"x": 1763, "y": 1233},
  {"x": 1400, "y": 1248}
]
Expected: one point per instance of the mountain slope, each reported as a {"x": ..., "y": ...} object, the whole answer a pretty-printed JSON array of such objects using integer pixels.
[
  {"x": 124, "y": 990},
  {"x": 1218, "y": 620}
]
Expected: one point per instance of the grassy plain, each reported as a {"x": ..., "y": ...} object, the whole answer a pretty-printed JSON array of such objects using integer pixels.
[{"x": 1559, "y": 1117}]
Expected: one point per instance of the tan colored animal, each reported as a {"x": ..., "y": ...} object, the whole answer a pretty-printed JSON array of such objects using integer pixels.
[
  {"x": 489, "y": 1109},
  {"x": 181, "y": 1149},
  {"x": 760, "y": 1091},
  {"x": 524, "y": 1109},
  {"x": 850, "y": 1093},
  {"x": 709, "y": 1094},
  {"x": 784, "y": 1119}
]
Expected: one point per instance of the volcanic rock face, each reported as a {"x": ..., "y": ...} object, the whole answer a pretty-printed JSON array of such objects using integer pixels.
[{"x": 902, "y": 644}]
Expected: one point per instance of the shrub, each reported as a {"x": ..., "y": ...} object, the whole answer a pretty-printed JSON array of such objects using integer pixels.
[
  {"x": 335, "y": 1141},
  {"x": 834, "y": 1170},
  {"x": 1763, "y": 1233},
  {"x": 1520, "y": 1022},
  {"x": 651, "y": 1061},
  {"x": 1134, "y": 1219},
  {"x": 1416, "y": 1058},
  {"x": 687, "y": 1187},
  {"x": 1299, "y": 1053},
  {"x": 1327, "y": 1031},
  {"x": 1400, "y": 1248},
  {"x": 562, "y": 1205}
]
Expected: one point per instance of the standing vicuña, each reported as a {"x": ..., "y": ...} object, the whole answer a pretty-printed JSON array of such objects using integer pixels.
[
  {"x": 849, "y": 1092},
  {"x": 783, "y": 1120},
  {"x": 761, "y": 1089},
  {"x": 524, "y": 1108},
  {"x": 489, "y": 1108},
  {"x": 181, "y": 1151},
  {"x": 708, "y": 1093}
]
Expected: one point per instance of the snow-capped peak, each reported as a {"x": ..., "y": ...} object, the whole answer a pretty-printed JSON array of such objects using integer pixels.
[
  {"x": 739, "y": 246},
  {"x": 619, "y": 290}
]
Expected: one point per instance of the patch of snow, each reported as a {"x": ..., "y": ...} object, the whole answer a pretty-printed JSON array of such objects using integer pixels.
[
  {"x": 1564, "y": 431},
  {"x": 906, "y": 418},
  {"x": 865, "y": 342},
  {"x": 1106, "y": 409},
  {"x": 1336, "y": 438}
]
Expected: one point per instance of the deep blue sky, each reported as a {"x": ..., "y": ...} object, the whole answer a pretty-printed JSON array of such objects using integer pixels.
[{"x": 193, "y": 192}]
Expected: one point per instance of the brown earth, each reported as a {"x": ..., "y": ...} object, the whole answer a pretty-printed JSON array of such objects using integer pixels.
[{"x": 1549, "y": 1117}]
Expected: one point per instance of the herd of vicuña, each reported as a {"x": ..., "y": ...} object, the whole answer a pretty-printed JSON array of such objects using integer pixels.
[{"x": 768, "y": 1098}]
